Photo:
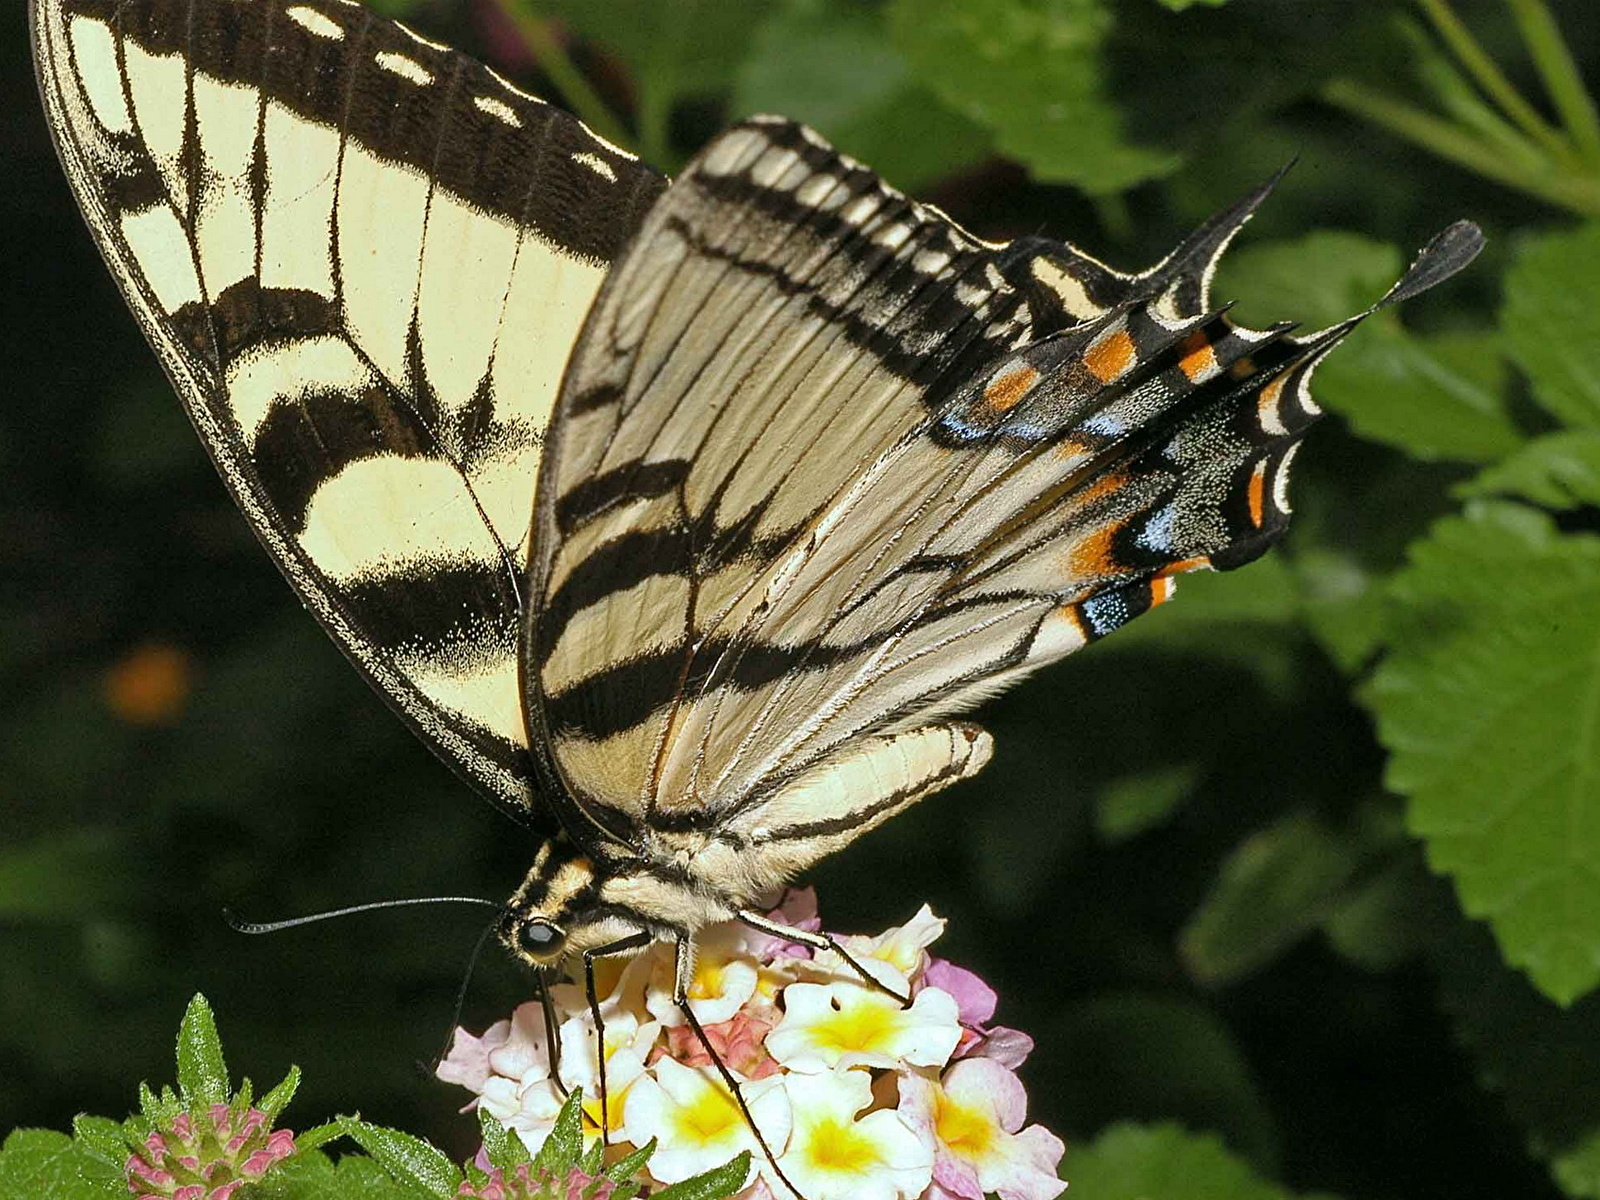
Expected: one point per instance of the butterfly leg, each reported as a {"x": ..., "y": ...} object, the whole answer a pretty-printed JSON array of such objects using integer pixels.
[
  {"x": 822, "y": 941},
  {"x": 552, "y": 1036},
  {"x": 636, "y": 941},
  {"x": 684, "y": 975}
]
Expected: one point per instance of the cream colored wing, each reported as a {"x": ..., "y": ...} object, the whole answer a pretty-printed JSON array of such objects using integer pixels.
[{"x": 362, "y": 259}]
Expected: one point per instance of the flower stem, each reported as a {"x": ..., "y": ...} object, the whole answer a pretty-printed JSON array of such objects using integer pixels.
[
  {"x": 551, "y": 54},
  {"x": 1489, "y": 77},
  {"x": 1577, "y": 192},
  {"x": 1560, "y": 74}
]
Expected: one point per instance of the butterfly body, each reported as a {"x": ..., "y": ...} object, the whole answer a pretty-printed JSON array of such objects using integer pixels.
[{"x": 682, "y": 520}]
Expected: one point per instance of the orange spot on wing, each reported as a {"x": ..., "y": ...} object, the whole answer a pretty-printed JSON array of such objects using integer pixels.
[
  {"x": 1199, "y": 360},
  {"x": 1005, "y": 390},
  {"x": 1162, "y": 589},
  {"x": 1185, "y": 564},
  {"x": 1092, "y": 556},
  {"x": 1256, "y": 495},
  {"x": 1110, "y": 355},
  {"x": 1103, "y": 486}
]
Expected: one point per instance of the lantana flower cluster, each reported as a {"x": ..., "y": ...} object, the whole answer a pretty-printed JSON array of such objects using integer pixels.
[
  {"x": 207, "y": 1155},
  {"x": 857, "y": 1096}
]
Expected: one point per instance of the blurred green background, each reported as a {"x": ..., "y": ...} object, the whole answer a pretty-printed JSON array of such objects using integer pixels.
[{"x": 1256, "y": 866}]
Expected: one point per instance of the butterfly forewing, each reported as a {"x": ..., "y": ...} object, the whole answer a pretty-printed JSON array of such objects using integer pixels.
[{"x": 363, "y": 259}]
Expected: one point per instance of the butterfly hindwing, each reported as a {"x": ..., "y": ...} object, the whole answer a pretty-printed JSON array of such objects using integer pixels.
[{"x": 363, "y": 259}]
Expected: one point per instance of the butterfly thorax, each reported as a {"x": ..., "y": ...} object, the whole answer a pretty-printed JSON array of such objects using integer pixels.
[{"x": 575, "y": 899}]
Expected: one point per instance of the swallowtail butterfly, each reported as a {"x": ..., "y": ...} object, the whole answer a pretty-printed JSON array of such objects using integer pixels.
[{"x": 681, "y": 519}]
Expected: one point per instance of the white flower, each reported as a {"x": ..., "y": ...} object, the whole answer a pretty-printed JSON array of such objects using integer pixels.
[
  {"x": 975, "y": 1114},
  {"x": 833, "y": 1156},
  {"x": 903, "y": 948},
  {"x": 826, "y": 1026},
  {"x": 628, "y": 1046},
  {"x": 725, "y": 976},
  {"x": 698, "y": 1122}
]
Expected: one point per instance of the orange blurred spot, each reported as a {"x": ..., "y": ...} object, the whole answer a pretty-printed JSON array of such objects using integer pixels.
[
  {"x": 1256, "y": 495},
  {"x": 1005, "y": 390},
  {"x": 151, "y": 685},
  {"x": 1199, "y": 361},
  {"x": 1243, "y": 367},
  {"x": 1110, "y": 355}
]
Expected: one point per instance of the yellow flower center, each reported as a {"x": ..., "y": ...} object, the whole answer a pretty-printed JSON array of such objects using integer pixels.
[
  {"x": 615, "y": 1098},
  {"x": 859, "y": 1027},
  {"x": 967, "y": 1131},
  {"x": 710, "y": 1118},
  {"x": 707, "y": 982},
  {"x": 838, "y": 1146}
]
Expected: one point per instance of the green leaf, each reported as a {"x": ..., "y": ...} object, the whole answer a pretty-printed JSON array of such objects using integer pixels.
[
  {"x": 1390, "y": 916},
  {"x": 714, "y": 1184},
  {"x": 319, "y": 1135},
  {"x": 202, "y": 1073},
  {"x": 830, "y": 64},
  {"x": 505, "y": 1149},
  {"x": 1551, "y": 321},
  {"x": 101, "y": 1136},
  {"x": 1577, "y": 1171},
  {"x": 66, "y": 877},
  {"x": 316, "y": 1177},
  {"x": 39, "y": 1163},
  {"x": 1542, "y": 1060},
  {"x": 1136, "y": 803},
  {"x": 1133, "y": 1162},
  {"x": 1559, "y": 470},
  {"x": 631, "y": 1164},
  {"x": 1099, "y": 1052},
  {"x": 275, "y": 1101},
  {"x": 1033, "y": 72},
  {"x": 1277, "y": 886},
  {"x": 1435, "y": 398},
  {"x": 1489, "y": 703},
  {"x": 407, "y": 1159},
  {"x": 564, "y": 1146}
]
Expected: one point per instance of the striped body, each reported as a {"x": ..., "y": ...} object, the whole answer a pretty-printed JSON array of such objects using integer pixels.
[{"x": 680, "y": 519}]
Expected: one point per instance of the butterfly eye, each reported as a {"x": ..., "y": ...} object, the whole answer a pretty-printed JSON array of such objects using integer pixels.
[{"x": 538, "y": 938}]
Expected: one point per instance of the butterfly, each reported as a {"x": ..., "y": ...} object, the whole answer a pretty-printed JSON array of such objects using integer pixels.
[{"x": 684, "y": 520}]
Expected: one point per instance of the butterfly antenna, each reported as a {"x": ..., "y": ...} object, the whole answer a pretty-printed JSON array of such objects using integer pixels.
[
  {"x": 242, "y": 926},
  {"x": 461, "y": 992}
]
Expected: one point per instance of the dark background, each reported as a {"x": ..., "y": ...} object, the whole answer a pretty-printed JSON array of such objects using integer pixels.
[{"x": 177, "y": 736}]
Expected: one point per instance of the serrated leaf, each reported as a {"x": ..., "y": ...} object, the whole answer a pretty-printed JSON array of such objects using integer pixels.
[
  {"x": 505, "y": 1150},
  {"x": 830, "y": 64},
  {"x": 1138, "y": 1162},
  {"x": 37, "y": 1163},
  {"x": 1551, "y": 321},
  {"x": 1489, "y": 703},
  {"x": 564, "y": 1146},
  {"x": 202, "y": 1072},
  {"x": 715, "y": 1184},
  {"x": 275, "y": 1101},
  {"x": 319, "y": 1135},
  {"x": 1438, "y": 397},
  {"x": 1559, "y": 470},
  {"x": 1136, "y": 803},
  {"x": 1032, "y": 72},
  {"x": 407, "y": 1159},
  {"x": 1277, "y": 886},
  {"x": 101, "y": 1136}
]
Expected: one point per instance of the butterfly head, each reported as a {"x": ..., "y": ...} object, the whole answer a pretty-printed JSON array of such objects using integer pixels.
[{"x": 562, "y": 908}]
